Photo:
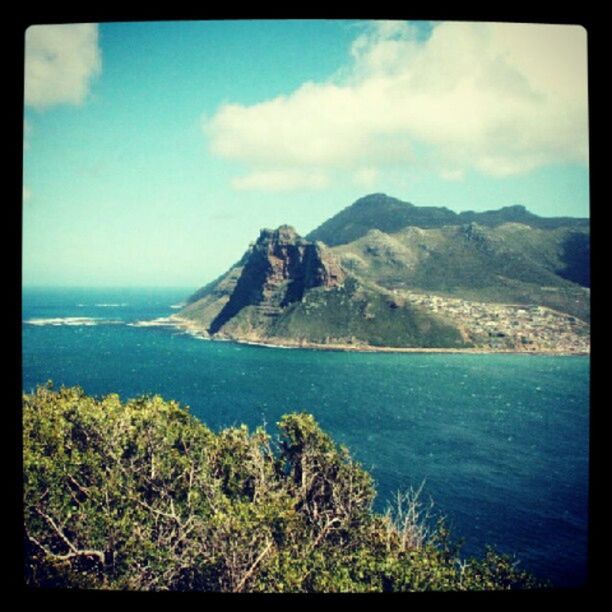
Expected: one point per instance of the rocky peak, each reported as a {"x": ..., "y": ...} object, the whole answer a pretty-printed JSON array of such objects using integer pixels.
[
  {"x": 283, "y": 234},
  {"x": 376, "y": 200},
  {"x": 278, "y": 269}
]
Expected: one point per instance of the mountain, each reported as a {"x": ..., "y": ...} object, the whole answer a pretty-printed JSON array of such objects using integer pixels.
[
  {"x": 378, "y": 211},
  {"x": 393, "y": 274},
  {"x": 286, "y": 288},
  {"x": 390, "y": 215}
]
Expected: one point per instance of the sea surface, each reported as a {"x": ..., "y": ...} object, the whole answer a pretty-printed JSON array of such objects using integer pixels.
[{"x": 499, "y": 442}]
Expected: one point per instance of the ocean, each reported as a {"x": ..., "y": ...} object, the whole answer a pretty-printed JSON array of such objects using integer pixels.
[{"x": 500, "y": 442}]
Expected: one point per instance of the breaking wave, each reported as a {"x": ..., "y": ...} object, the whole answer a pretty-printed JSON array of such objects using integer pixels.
[
  {"x": 160, "y": 322},
  {"x": 104, "y": 305},
  {"x": 72, "y": 321}
]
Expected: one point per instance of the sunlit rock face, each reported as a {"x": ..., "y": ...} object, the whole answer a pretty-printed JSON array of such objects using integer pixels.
[{"x": 277, "y": 270}]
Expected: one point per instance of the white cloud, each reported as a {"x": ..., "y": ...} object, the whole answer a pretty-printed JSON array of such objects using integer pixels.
[
  {"x": 60, "y": 62},
  {"x": 498, "y": 98}
]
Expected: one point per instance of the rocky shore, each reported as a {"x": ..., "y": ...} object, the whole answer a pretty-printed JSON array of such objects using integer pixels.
[{"x": 194, "y": 329}]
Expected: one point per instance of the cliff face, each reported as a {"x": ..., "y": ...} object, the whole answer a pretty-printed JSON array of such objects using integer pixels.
[{"x": 277, "y": 270}]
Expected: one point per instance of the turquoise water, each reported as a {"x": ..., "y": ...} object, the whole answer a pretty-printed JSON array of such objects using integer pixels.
[{"x": 500, "y": 441}]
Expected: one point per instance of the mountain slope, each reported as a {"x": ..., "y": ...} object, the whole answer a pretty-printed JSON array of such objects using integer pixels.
[{"x": 510, "y": 263}]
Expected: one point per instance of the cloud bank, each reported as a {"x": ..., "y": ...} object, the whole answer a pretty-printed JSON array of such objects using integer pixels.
[
  {"x": 60, "y": 62},
  {"x": 500, "y": 99}
]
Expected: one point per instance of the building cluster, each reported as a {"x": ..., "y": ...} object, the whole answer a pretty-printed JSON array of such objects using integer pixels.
[{"x": 509, "y": 326}]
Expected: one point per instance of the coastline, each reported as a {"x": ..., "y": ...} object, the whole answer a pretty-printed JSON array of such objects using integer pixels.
[{"x": 195, "y": 330}]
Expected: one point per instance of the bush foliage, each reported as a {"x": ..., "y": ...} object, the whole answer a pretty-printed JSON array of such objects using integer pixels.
[{"x": 142, "y": 496}]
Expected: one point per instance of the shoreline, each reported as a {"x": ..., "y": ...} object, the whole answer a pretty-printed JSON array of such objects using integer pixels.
[{"x": 193, "y": 329}]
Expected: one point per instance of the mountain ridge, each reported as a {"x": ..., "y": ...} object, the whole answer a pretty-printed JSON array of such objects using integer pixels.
[{"x": 389, "y": 214}]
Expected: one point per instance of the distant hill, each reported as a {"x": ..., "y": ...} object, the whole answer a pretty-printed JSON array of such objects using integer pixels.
[
  {"x": 353, "y": 280},
  {"x": 390, "y": 215}
]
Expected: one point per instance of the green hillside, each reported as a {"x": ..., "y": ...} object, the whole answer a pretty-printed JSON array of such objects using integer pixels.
[
  {"x": 360, "y": 314},
  {"x": 511, "y": 263}
]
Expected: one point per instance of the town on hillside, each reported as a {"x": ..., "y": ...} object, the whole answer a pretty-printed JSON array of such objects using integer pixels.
[{"x": 516, "y": 327}]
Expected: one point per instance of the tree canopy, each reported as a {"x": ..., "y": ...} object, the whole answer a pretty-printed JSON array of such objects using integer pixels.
[{"x": 141, "y": 495}]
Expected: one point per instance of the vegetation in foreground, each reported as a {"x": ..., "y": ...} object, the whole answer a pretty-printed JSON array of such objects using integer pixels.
[{"x": 141, "y": 495}]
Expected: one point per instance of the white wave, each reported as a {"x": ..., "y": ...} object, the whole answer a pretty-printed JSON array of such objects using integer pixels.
[
  {"x": 104, "y": 305},
  {"x": 71, "y": 321},
  {"x": 268, "y": 345},
  {"x": 196, "y": 334},
  {"x": 176, "y": 306},
  {"x": 160, "y": 322}
]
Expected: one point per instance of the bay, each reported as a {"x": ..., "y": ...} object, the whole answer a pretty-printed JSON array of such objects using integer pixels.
[{"x": 500, "y": 442}]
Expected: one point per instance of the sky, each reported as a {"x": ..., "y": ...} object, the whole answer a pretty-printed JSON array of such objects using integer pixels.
[{"x": 155, "y": 152}]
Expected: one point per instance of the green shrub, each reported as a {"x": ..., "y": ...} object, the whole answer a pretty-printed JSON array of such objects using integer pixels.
[{"x": 141, "y": 495}]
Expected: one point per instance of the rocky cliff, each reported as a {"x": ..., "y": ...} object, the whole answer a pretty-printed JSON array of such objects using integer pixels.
[{"x": 277, "y": 270}]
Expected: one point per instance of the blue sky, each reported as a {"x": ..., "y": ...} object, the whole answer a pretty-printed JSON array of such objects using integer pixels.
[{"x": 154, "y": 152}]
